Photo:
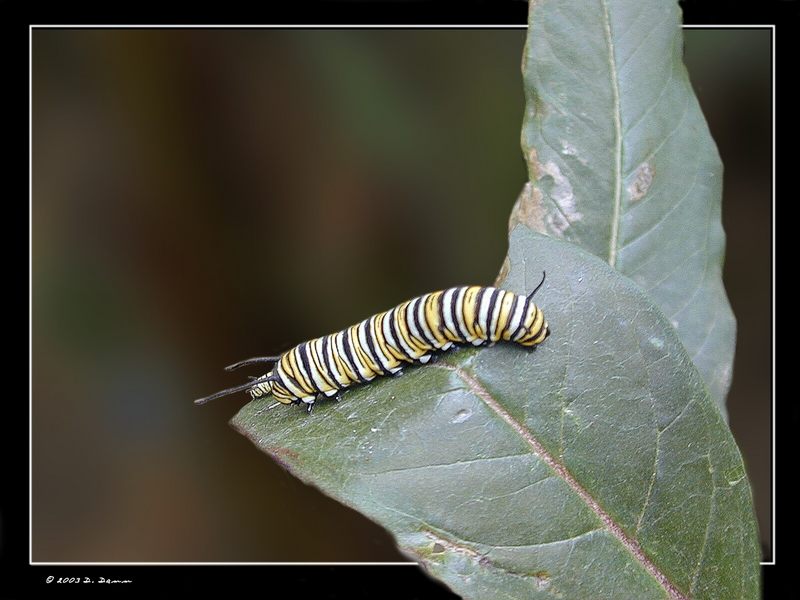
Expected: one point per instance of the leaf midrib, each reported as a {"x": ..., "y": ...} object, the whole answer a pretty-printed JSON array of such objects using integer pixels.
[
  {"x": 561, "y": 471},
  {"x": 617, "y": 200}
]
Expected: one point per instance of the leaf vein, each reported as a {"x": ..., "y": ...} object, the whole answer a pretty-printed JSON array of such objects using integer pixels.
[
  {"x": 536, "y": 446},
  {"x": 617, "y": 198},
  {"x": 450, "y": 464}
]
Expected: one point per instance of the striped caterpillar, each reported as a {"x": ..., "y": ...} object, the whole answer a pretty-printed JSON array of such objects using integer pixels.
[{"x": 383, "y": 343}]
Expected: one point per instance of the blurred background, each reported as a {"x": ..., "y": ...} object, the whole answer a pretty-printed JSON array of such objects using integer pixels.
[{"x": 202, "y": 196}]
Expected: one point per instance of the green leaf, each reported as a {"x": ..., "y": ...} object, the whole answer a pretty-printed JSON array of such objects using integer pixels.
[
  {"x": 621, "y": 162},
  {"x": 595, "y": 466}
]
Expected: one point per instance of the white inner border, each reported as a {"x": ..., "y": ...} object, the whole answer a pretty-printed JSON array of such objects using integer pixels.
[{"x": 30, "y": 257}]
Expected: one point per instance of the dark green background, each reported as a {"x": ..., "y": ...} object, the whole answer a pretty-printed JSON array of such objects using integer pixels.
[{"x": 200, "y": 196}]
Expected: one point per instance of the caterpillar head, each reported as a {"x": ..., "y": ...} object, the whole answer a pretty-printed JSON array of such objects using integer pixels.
[
  {"x": 265, "y": 386},
  {"x": 273, "y": 385}
]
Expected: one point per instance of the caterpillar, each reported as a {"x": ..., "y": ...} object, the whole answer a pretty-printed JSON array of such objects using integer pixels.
[{"x": 382, "y": 344}]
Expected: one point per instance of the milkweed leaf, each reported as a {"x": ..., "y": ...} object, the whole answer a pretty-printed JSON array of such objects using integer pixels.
[
  {"x": 621, "y": 162},
  {"x": 595, "y": 465}
]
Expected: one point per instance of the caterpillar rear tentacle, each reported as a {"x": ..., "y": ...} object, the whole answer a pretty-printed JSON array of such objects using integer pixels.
[{"x": 384, "y": 343}]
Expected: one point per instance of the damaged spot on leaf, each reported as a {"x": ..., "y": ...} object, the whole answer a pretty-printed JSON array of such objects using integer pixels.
[
  {"x": 534, "y": 166},
  {"x": 452, "y": 546},
  {"x": 528, "y": 210},
  {"x": 642, "y": 182},
  {"x": 559, "y": 190},
  {"x": 568, "y": 149},
  {"x": 504, "y": 271}
]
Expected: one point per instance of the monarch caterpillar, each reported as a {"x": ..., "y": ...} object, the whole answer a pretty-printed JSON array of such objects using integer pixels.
[{"x": 381, "y": 344}]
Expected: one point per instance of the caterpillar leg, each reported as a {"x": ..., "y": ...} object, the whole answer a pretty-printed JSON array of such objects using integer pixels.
[
  {"x": 331, "y": 394},
  {"x": 434, "y": 358},
  {"x": 309, "y": 402}
]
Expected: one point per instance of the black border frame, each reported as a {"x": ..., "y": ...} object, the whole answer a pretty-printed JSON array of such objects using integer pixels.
[{"x": 22, "y": 579}]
